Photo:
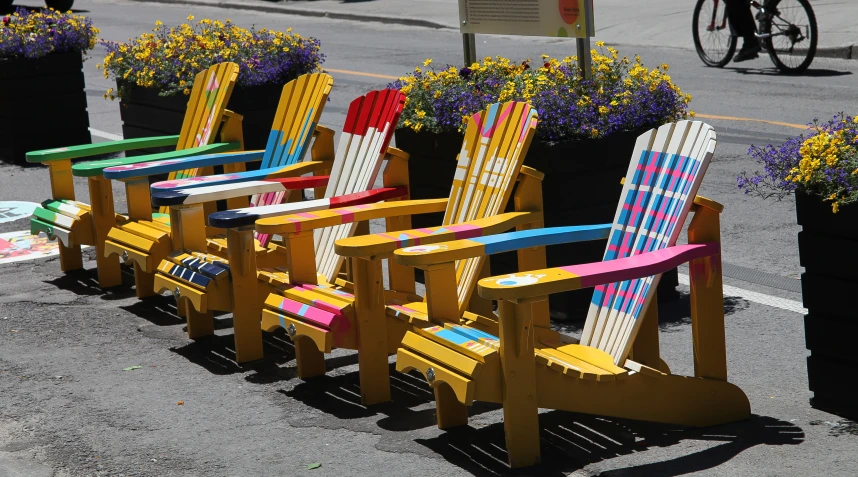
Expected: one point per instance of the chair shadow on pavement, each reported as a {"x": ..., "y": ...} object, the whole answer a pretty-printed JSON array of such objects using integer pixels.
[
  {"x": 572, "y": 441},
  {"x": 85, "y": 283},
  {"x": 339, "y": 396}
]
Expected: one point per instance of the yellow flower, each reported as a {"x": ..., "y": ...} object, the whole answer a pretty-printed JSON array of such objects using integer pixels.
[
  {"x": 427, "y": 62},
  {"x": 600, "y": 43},
  {"x": 190, "y": 18}
]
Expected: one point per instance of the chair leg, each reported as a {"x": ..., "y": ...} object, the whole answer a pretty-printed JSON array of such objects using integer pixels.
[
  {"x": 199, "y": 324},
  {"x": 144, "y": 282},
  {"x": 518, "y": 362},
  {"x": 448, "y": 410},
  {"x": 371, "y": 331},
  {"x": 103, "y": 219},
  {"x": 247, "y": 312},
  {"x": 311, "y": 361},
  {"x": 71, "y": 258}
]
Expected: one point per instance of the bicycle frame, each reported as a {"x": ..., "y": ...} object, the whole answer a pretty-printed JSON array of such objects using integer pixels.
[{"x": 712, "y": 25}]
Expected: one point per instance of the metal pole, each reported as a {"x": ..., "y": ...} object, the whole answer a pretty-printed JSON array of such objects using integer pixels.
[
  {"x": 469, "y": 45},
  {"x": 584, "y": 59}
]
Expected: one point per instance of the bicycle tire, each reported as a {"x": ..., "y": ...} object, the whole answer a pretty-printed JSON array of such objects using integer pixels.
[
  {"x": 811, "y": 50},
  {"x": 709, "y": 56}
]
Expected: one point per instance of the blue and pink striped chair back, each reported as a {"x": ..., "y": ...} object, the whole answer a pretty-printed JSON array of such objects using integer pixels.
[
  {"x": 299, "y": 110},
  {"x": 667, "y": 168}
]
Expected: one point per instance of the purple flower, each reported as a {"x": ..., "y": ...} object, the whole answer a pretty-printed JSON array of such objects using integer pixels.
[{"x": 27, "y": 34}]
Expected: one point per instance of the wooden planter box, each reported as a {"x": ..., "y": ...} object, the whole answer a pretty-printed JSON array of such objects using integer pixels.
[
  {"x": 828, "y": 251},
  {"x": 42, "y": 104},
  {"x": 581, "y": 186},
  {"x": 144, "y": 113}
]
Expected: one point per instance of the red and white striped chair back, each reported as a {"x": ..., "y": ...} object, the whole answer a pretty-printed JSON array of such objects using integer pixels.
[{"x": 369, "y": 126}]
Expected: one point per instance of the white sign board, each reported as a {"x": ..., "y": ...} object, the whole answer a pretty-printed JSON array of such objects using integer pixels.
[{"x": 558, "y": 18}]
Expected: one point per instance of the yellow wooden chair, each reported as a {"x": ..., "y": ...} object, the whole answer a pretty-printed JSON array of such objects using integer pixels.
[
  {"x": 75, "y": 223},
  {"x": 616, "y": 369},
  {"x": 365, "y": 316},
  {"x": 203, "y": 282},
  {"x": 295, "y": 125}
]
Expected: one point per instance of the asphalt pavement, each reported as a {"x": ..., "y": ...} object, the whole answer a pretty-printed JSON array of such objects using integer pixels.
[
  {"x": 619, "y": 22},
  {"x": 67, "y": 408}
]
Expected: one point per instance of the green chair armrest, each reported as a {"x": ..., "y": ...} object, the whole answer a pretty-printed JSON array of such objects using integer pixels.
[
  {"x": 87, "y": 150},
  {"x": 96, "y": 168}
]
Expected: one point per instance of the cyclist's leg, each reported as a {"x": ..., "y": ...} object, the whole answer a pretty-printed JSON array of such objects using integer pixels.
[{"x": 742, "y": 20}]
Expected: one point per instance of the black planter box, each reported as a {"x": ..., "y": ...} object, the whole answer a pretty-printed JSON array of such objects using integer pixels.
[
  {"x": 581, "y": 187},
  {"x": 43, "y": 104},
  {"x": 144, "y": 113},
  {"x": 828, "y": 250}
]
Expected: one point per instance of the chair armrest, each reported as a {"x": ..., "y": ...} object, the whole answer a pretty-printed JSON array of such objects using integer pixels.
[
  {"x": 201, "y": 195},
  {"x": 292, "y": 170},
  {"x": 87, "y": 150},
  {"x": 96, "y": 168},
  {"x": 290, "y": 224},
  {"x": 544, "y": 282},
  {"x": 381, "y": 245},
  {"x": 229, "y": 219},
  {"x": 492, "y": 244},
  {"x": 142, "y": 169}
]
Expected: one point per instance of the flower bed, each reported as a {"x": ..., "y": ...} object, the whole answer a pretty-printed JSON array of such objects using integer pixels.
[
  {"x": 622, "y": 95},
  {"x": 155, "y": 71},
  {"x": 821, "y": 169},
  {"x": 41, "y": 82},
  {"x": 584, "y": 139}
]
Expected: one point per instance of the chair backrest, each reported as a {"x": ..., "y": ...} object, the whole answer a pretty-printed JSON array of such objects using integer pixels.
[
  {"x": 665, "y": 172},
  {"x": 369, "y": 126},
  {"x": 209, "y": 96},
  {"x": 496, "y": 142},
  {"x": 298, "y": 112}
]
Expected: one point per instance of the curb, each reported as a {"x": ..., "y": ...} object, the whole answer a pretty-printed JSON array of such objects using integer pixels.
[
  {"x": 847, "y": 52},
  {"x": 307, "y": 13}
]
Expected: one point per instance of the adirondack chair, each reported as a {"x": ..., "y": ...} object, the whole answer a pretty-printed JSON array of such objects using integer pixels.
[
  {"x": 368, "y": 318},
  {"x": 295, "y": 124},
  {"x": 75, "y": 223},
  {"x": 206, "y": 282},
  {"x": 616, "y": 369}
]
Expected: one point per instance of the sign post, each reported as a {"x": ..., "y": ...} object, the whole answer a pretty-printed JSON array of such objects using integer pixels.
[{"x": 555, "y": 18}]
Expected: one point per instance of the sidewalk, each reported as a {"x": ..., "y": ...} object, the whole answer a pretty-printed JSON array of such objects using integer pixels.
[{"x": 664, "y": 23}]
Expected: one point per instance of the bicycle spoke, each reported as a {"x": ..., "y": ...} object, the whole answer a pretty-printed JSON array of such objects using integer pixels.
[{"x": 791, "y": 35}]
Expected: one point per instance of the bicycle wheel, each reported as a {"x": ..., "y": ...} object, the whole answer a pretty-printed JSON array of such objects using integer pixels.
[
  {"x": 792, "y": 25},
  {"x": 713, "y": 38}
]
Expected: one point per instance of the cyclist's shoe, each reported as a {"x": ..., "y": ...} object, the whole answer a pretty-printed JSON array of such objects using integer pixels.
[{"x": 748, "y": 52}]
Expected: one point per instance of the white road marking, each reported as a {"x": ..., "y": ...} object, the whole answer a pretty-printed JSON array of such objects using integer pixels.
[
  {"x": 761, "y": 298},
  {"x": 105, "y": 135}
]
